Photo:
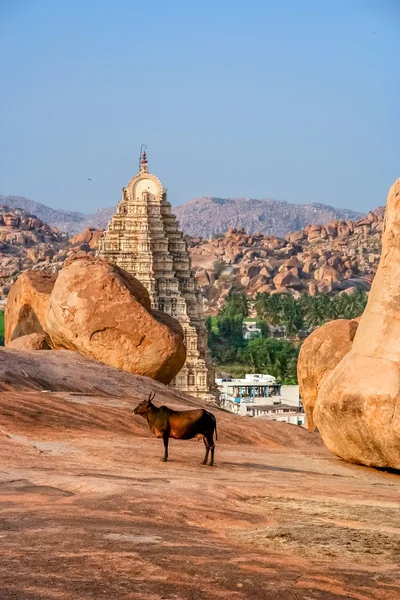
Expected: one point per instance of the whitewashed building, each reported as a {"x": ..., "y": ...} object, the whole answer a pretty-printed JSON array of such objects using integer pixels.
[{"x": 259, "y": 395}]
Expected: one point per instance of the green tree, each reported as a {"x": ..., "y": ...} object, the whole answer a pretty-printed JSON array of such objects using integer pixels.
[
  {"x": 273, "y": 356},
  {"x": 235, "y": 306},
  {"x": 218, "y": 266},
  {"x": 317, "y": 310},
  {"x": 264, "y": 328},
  {"x": 280, "y": 310},
  {"x": 350, "y": 306},
  {"x": 269, "y": 308},
  {"x": 292, "y": 316}
]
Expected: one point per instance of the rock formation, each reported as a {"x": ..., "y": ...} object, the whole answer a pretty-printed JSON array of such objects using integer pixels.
[
  {"x": 328, "y": 258},
  {"x": 319, "y": 355},
  {"x": 104, "y": 313},
  {"x": 98, "y": 310},
  {"x": 143, "y": 238},
  {"x": 27, "y": 243},
  {"x": 358, "y": 406},
  {"x": 33, "y": 341},
  {"x": 27, "y": 305},
  {"x": 86, "y": 240},
  {"x": 333, "y": 258}
]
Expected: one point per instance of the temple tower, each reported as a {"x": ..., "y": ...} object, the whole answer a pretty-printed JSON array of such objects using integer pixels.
[{"x": 143, "y": 237}]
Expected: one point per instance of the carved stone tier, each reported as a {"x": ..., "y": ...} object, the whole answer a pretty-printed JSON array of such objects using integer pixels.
[{"x": 143, "y": 237}]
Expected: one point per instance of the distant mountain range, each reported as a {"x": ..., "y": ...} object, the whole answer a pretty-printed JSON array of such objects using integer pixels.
[
  {"x": 207, "y": 216},
  {"x": 203, "y": 216},
  {"x": 66, "y": 220}
]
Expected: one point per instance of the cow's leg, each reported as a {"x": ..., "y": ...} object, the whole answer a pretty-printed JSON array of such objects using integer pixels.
[
  {"x": 204, "y": 462},
  {"x": 211, "y": 445},
  {"x": 165, "y": 440}
]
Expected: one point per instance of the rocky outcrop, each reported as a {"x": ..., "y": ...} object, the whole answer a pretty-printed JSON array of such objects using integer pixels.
[
  {"x": 319, "y": 259},
  {"x": 104, "y": 313},
  {"x": 34, "y": 341},
  {"x": 27, "y": 243},
  {"x": 86, "y": 240},
  {"x": 358, "y": 406},
  {"x": 319, "y": 355},
  {"x": 27, "y": 305}
]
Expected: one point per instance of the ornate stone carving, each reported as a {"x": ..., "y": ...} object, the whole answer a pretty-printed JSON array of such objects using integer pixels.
[{"x": 143, "y": 237}]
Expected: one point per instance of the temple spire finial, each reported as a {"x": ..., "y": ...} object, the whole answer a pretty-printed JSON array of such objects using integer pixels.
[{"x": 143, "y": 159}]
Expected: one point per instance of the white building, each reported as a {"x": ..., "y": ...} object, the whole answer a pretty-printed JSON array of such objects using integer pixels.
[
  {"x": 278, "y": 412},
  {"x": 250, "y": 330},
  {"x": 259, "y": 395}
]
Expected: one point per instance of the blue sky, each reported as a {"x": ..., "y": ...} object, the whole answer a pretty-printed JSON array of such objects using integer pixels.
[{"x": 296, "y": 100}]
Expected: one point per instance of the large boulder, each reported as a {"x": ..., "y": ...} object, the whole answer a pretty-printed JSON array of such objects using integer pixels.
[
  {"x": 104, "y": 313},
  {"x": 27, "y": 304},
  {"x": 319, "y": 355},
  {"x": 88, "y": 236},
  {"x": 288, "y": 279},
  {"x": 358, "y": 406}
]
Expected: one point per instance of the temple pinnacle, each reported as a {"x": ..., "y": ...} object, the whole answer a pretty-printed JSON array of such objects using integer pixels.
[{"x": 143, "y": 162}]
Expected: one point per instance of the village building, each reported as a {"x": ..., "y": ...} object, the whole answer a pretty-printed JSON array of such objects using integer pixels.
[
  {"x": 143, "y": 238},
  {"x": 250, "y": 330},
  {"x": 260, "y": 395}
]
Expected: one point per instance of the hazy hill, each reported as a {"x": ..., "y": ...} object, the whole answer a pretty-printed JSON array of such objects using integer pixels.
[
  {"x": 206, "y": 216},
  {"x": 203, "y": 216},
  {"x": 65, "y": 220}
]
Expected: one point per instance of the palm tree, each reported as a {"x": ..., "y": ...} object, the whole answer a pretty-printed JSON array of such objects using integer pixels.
[
  {"x": 236, "y": 305},
  {"x": 310, "y": 310},
  {"x": 292, "y": 317},
  {"x": 269, "y": 308},
  {"x": 350, "y": 306}
]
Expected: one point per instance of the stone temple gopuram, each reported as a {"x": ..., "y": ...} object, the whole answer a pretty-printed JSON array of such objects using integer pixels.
[{"x": 143, "y": 238}]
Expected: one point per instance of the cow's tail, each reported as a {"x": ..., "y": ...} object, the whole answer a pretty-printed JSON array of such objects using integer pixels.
[{"x": 216, "y": 434}]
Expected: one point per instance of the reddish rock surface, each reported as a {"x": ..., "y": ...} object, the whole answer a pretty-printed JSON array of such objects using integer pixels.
[
  {"x": 89, "y": 511},
  {"x": 26, "y": 242},
  {"x": 34, "y": 341},
  {"x": 320, "y": 353},
  {"x": 27, "y": 304},
  {"x": 89, "y": 237},
  {"x": 358, "y": 406}
]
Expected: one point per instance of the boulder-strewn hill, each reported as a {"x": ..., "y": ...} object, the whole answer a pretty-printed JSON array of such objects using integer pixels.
[
  {"x": 318, "y": 259},
  {"x": 202, "y": 216},
  {"x": 64, "y": 220},
  {"x": 207, "y": 216},
  {"x": 26, "y": 242}
]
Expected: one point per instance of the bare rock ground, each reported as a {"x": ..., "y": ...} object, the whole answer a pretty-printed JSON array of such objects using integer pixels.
[{"x": 89, "y": 511}]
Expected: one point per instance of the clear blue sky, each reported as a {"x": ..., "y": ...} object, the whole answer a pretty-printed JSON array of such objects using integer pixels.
[{"x": 297, "y": 100}]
